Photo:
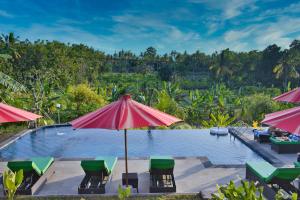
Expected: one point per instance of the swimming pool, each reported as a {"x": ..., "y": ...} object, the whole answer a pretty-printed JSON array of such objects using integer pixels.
[{"x": 65, "y": 142}]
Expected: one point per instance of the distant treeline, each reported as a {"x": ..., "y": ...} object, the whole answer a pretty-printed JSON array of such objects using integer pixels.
[{"x": 67, "y": 64}]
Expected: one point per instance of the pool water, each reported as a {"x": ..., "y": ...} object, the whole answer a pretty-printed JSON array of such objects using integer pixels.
[{"x": 65, "y": 142}]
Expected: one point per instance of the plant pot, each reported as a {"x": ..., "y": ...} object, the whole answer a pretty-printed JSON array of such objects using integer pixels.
[{"x": 219, "y": 131}]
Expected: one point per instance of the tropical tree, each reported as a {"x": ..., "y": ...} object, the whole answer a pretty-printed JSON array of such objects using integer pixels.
[
  {"x": 224, "y": 64},
  {"x": 10, "y": 40},
  {"x": 287, "y": 66}
]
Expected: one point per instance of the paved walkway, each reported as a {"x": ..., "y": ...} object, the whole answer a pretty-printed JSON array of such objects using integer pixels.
[{"x": 192, "y": 175}]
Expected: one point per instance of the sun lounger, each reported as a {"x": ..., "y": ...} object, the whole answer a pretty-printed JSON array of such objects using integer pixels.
[
  {"x": 36, "y": 172},
  {"x": 262, "y": 136},
  {"x": 161, "y": 174},
  {"x": 97, "y": 173},
  {"x": 284, "y": 146},
  {"x": 269, "y": 176},
  {"x": 297, "y": 164}
]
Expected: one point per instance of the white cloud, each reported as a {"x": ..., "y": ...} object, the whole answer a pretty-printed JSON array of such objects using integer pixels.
[
  {"x": 4, "y": 13},
  {"x": 153, "y": 30},
  {"x": 258, "y": 36},
  {"x": 290, "y": 9},
  {"x": 63, "y": 33},
  {"x": 234, "y": 35},
  {"x": 229, "y": 8}
]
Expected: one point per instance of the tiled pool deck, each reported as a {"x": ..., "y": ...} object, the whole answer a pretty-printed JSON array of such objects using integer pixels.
[
  {"x": 263, "y": 149},
  {"x": 192, "y": 174}
]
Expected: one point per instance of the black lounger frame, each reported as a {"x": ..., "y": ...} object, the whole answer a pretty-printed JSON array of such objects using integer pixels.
[
  {"x": 162, "y": 181},
  {"x": 261, "y": 138},
  {"x": 285, "y": 148},
  {"x": 99, "y": 179},
  {"x": 32, "y": 182},
  {"x": 270, "y": 189}
]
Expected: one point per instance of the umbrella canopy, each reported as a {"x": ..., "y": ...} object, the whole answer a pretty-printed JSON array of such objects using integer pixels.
[
  {"x": 124, "y": 114},
  {"x": 11, "y": 114},
  {"x": 287, "y": 120},
  {"x": 292, "y": 96}
]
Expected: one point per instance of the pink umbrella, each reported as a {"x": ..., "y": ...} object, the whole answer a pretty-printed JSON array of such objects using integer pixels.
[
  {"x": 122, "y": 115},
  {"x": 292, "y": 96},
  {"x": 287, "y": 120},
  {"x": 12, "y": 114}
]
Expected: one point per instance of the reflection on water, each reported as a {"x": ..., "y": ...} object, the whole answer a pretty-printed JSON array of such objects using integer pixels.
[{"x": 65, "y": 142}]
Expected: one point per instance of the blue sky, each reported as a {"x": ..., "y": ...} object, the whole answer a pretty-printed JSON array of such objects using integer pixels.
[{"x": 112, "y": 25}]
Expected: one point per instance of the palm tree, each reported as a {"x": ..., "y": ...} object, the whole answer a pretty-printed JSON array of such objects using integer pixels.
[
  {"x": 5, "y": 53},
  {"x": 10, "y": 40},
  {"x": 287, "y": 66},
  {"x": 220, "y": 67}
]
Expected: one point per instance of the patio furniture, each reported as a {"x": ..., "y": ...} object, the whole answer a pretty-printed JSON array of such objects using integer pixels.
[
  {"x": 36, "y": 172},
  {"x": 284, "y": 146},
  {"x": 132, "y": 180},
  {"x": 262, "y": 136},
  {"x": 161, "y": 174},
  {"x": 268, "y": 176},
  {"x": 97, "y": 173},
  {"x": 297, "y": 164},
  {"x": 139, "y": 116}
]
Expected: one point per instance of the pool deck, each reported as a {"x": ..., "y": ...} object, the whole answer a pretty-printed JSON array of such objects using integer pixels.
[
  {"x": 263, "y": 149},
  {"x": 192, "y": 175}
]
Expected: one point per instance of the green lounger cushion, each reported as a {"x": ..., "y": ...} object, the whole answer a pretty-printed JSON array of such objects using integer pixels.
[
  {"x": 297, "y": 164},
  {"x": 266, "y": 172},
  {"x": 263, "y": 170},
  {"x": 279, "y": 142},
  {"x": 288, "y": 174},
  {"x": 161, "y": 162},
  {"x": 38, "y": 164},
  {"x": 106, "y": 163}
]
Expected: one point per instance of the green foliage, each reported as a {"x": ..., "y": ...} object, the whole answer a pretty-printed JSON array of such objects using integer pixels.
[
  {"x": 10, "y": 83},
  {"x": 254, "y": 107},
  {"x": 167, "y": 104},
  {"x": 37, "y": 75},
  {"x": 245, "y": 191},
  {"x": 124, "y": 193},
  {"x": 218, "y": 120},
  {"x": 11, "y": 182},
  {"x": 282, "y": 195},
  {"x": 80, "y": 100}
]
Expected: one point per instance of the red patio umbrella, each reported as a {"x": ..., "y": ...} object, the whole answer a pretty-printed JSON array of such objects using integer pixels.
[
  {"x": 122, "y": 115},
  {"x": 11, "y": 114},
  {"x": 292, "y": 96},
  {"x": 287, "y": 120}
]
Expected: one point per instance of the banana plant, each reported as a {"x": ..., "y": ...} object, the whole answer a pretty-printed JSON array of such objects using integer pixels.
[
  {"x": 11, "y": 181},
  {"x": 245, "y": 191},
  {"x": 124, "y": 193},
  {"x": 10, "y": 83},
  {"x": 218, "y": 120}
]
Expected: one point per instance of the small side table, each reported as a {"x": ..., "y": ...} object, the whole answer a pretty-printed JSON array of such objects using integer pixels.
[{"x": 132, "y": 180}]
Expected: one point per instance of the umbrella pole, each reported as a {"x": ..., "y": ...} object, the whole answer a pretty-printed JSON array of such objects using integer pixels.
[{"x": 126, "y": 164}]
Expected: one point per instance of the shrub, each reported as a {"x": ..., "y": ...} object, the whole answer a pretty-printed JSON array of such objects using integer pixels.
[
  {"x": 254, "y": 107},
  {"x": 218, "y": 120},
  {"x": 80, "y": 100},
  {"x": 11, "y": 182},
  {"x": 245, "y": 191},
  {"x": 169, "y": 105}
]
